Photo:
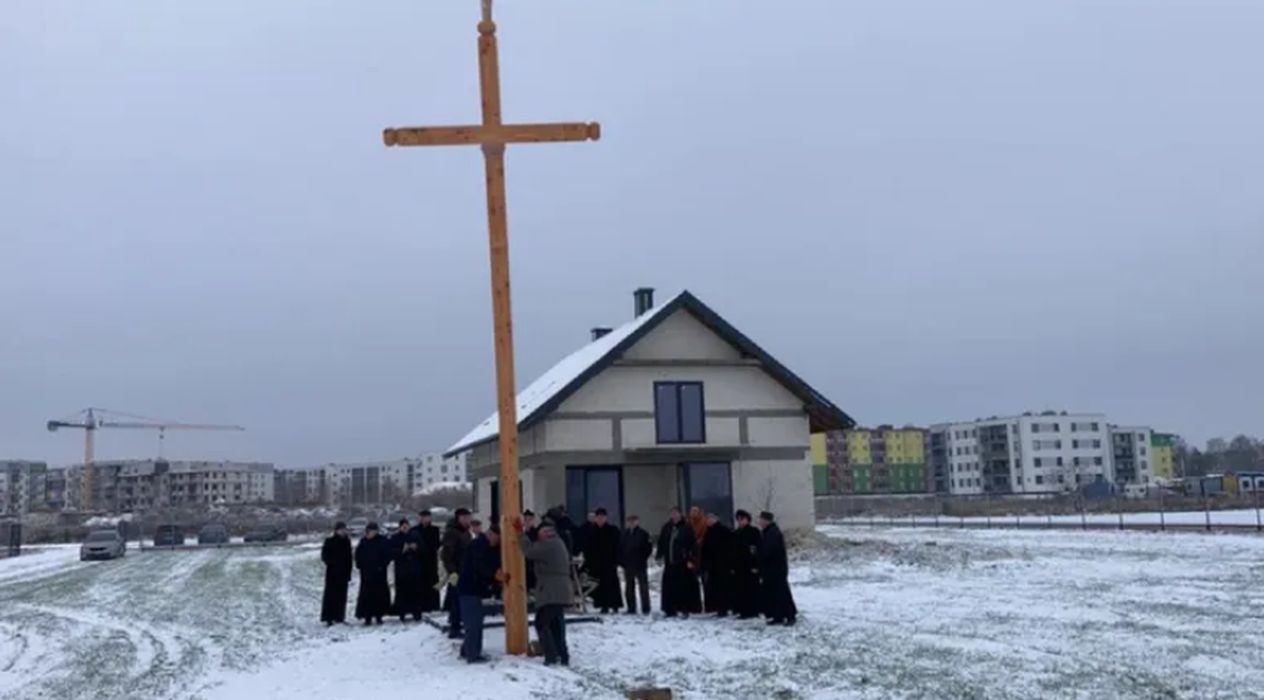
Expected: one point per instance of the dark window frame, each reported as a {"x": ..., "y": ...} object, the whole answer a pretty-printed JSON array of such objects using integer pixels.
[{"x": 680, "y": 413}]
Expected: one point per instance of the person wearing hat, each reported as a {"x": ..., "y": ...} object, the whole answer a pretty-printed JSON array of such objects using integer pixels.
[
  {"x": 335, "y": 554},
  {"x": 774, "y": 569},
  {"x": 427, "y": 537},
  {"x": 372, "y": 558},
  {"x": 717, "y": 567},
  {"x": 676, "y": 548},
  {"x": 635, "y": 550},
  {"x": 745, "y": 567},
  {"x": 456, "y": 537},
  {"x": 480, "y": 576},
  {"x": 547, "y": 554}
]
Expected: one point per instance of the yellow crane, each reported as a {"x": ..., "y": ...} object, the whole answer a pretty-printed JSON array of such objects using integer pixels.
[{"x": 90, "y": 420}]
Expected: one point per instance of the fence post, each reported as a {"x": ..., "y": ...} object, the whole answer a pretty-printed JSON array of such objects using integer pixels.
[
  {"x": 1257, "y": 508},
  {"x": 1049, "y": 516},
  {"x": 1121, "y": 513},
  {"x": 1162, "y": 511},
  {"x": 1207, "y": 512},
  {"x": 936, "y": 520}
]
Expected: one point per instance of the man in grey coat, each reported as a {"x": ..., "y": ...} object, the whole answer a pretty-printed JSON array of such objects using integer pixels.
[{"x": 552, "y": 589}]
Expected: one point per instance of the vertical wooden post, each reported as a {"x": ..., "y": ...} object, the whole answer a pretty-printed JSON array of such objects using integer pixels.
[{"x": 515, "y": 593}]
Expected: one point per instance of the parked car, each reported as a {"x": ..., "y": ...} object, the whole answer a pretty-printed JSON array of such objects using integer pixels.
[
  {"x": 391, "y": 526},
  {"x": 169, "y": 536},
  {"x": 355, "y": 527},
  {"x": 267, "y": 533},
  {"x": 213, "y": 534},
  {"x": 103, "y": 544}
]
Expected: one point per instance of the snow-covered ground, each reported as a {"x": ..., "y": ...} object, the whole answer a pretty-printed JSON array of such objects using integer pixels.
[
  {"x": 886, "y": 613},
  {"x": 1240, "y": 517}
]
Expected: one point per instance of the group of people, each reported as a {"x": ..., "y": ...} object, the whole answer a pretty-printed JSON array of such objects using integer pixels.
[
  {"x": 708, "y": 567},
  {"x": 413, "y": 553}
]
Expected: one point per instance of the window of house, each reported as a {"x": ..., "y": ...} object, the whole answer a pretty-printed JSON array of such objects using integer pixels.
[
  {"x": 1097, "y": 461},
  {"x": 679, "y": 413}
]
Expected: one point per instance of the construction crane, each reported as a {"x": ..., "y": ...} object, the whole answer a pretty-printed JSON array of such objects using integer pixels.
[{"x": 90, "y": 420}]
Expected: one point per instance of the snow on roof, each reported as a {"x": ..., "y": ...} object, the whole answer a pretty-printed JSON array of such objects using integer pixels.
[{"x": 558, "y": 377}]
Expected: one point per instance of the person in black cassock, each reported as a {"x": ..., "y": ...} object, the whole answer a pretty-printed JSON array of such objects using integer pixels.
[
  {"x": 676, "y": 552},
  {"x": 336, "y": 555},
  {"x": 745, "y": 567},
  {"x": 601, "y": 560},
  {"x": 456, "y": 537},
  {"x": 779, "y": 606},
  {"x": 372, "y": 558},
  {"x": 717, "y": 567},
  {"x": 406, "y": 550},
  {"x": 428, "y": 548},
  {"x": 635, "y": 550}
]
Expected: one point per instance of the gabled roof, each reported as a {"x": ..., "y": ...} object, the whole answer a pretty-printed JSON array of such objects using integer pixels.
[{"x": 553, "y": 387}]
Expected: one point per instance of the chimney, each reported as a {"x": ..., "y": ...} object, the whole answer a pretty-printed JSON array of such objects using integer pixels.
[
  {"x": 600, "y": 331},
  {"x": 644, "y": 298}
]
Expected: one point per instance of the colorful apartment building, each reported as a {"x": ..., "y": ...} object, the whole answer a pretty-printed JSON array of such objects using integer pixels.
[
  {"x": 880, "y": 460},
  {"x": 1163, "y": 455},
  {"x": 820, "y": 465}
]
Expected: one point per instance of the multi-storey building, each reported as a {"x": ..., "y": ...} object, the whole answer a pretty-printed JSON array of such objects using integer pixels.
[
  {"x": 22, "y": 486},
  {"x": 300, "y": 486},
  {"x": 1042, "y": 453},
  {"x": 820, "y": 465},
  {"x": 1131, "y": 454},
  {"x": 881, "y": 460},
  {"x": 392, "y": 481},
  {"x": 143, "y": 484},
  {"x": 1163, "y": 463}
]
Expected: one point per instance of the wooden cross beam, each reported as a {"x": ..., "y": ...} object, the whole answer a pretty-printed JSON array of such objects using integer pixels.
[{"x": 493, "y": 135}]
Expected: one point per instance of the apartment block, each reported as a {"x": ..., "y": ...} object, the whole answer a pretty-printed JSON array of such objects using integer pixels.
[
  {"x": 21, "y": 486},
  {"x": 133, "y": 485},
  {"x": 820, "y": 465},
  {"x": 880, "y": 460},
  {"x": 1050, "y": 452},
  {"x": 391, "y": 481},
  {"x": 1163, "y": 463},
  {"x": 1132, "y": 455}
]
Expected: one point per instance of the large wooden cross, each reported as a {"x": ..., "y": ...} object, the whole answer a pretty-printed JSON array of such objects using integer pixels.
[{"x": 492, "y": 135}]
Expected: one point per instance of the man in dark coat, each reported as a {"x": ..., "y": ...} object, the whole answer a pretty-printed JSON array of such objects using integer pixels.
[
  {"x": 456, "y": 537},
  {"x": 406, "y": 550},
  {"x": 372, "y": 558},
  {"x": 745, "y": 567},
  {"x": 427, "y": 536},
  {"x": 635, "y": 550},
  {"x": 336, "y": 555},
  {"x": 717, "y": 567},
  {"x": 601, "y": 560},
  {"x": 779, "y": 607},
  {"x": 531, "y": 529},
  {"x": 676, "y": 552},
  {"x": 565, "y": 528},
  {"x": 553, "y": 591},
  {"x": 583, "y": 532},
  {"x": 480, "y": 575}
]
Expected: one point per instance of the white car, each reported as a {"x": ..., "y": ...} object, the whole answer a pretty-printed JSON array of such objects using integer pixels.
[{"x": 103, "y": 544}]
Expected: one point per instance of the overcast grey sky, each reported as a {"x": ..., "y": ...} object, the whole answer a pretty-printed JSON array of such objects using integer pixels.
[{"x": 931, "y": 210}]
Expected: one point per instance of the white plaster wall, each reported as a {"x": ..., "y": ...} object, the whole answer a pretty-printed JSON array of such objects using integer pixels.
[
  {"x": 682, "y": 337},
  {"x": 779, "y": 432},
  {"x": 483, "y": 498},
  {"x": 578, "y": 434},
  {"x": 650, "y": 492},
  {"x": 785, "y": 485},
  {"x": 621, "y": 388},
  {"x": 724, "y": 431},
  {"x": 638, "y": 432}
]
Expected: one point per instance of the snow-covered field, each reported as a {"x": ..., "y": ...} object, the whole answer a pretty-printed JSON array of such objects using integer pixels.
[
  {"x": 886, "y": 613},
  {"x": 1241, "y": 517}
]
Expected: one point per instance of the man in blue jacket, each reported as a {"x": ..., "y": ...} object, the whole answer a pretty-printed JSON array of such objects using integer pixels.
[{"x": 480, "y": 575}]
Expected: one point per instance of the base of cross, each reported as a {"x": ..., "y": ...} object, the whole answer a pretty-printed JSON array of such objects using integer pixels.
[{"x": 494, "y": 611}]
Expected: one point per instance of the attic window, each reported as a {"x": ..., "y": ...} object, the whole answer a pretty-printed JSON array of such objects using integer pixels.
[{"x": 679, "y": 413}]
